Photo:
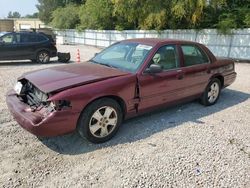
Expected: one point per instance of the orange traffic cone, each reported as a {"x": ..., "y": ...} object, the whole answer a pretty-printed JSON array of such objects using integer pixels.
[{"x": 78, "y": 56}]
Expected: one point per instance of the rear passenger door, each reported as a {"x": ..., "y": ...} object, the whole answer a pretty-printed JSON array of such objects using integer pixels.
[{"x": 196, "y": 69}]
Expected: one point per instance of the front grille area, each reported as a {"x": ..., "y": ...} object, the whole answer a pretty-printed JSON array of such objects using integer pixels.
[{"x": 32, "y": 96}]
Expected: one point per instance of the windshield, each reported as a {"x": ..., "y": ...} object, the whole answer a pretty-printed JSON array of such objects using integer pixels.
[
  {"x": 2, "y": 33},
  {"x": 123, "y": 56}
]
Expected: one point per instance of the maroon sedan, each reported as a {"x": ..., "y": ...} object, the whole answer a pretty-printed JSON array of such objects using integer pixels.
[{"x": 124, "y": 80}]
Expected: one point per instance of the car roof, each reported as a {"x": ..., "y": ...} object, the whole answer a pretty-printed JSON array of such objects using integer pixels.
[
  {"x": 155, "y": 41},
  {"x": 21, "y": 32}
]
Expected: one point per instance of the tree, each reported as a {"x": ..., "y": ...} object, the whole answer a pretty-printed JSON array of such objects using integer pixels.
[
  {"x": 46, "y": 7},
  {"x": 187, "y": 13},
  {"x": 147, "y": 14},
  {"x": 228, "y": 14},
  {"x": 97, "y": 14},
  {"x": 35, "y": 15},
  {"x": 137, "y": 14},
  {"x": 14, "y": 14},
  {"x": 66, "y": 17},
  {"x": 160, "y": 14},
  {"x": 74, "y": 2},
  {"x": 247, "y": 20}
]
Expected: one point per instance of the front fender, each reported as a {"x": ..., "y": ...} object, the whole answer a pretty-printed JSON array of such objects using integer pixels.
[{"x": 122, "y": 87}]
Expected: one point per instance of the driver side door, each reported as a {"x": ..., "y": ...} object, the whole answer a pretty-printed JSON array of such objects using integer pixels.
[{"x": 8, "y": 47}]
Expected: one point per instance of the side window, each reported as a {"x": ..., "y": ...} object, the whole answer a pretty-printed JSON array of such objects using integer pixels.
[
  {"x": 24, "y": 38},
  {"x": 41, "y": 38},
  {"x": 167, "y": 57},
  {"x": 8, "y": 39},
  {"x": 18, "y": 38},
  {"x": 32, "y": 38},
  {"x": 28, "y": 38},
  {"x": 193, "y": 55}
]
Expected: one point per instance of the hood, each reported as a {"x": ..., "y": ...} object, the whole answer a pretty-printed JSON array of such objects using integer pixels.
[{"x": 66, "y": 76}]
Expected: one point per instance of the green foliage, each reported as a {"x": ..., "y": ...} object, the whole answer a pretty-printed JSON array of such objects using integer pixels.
[
  {"x": 247, "y": 20},
  {"x": 78, "y": 2},
  {"x": 187, "y": 13},
  {"x": 14, "y": 15},
  {"x": 146, "y": 14},
  {"x": 226, "y": 23},
  {"x": 66, "y": 17},
  {"x": 97, "y": 14},
  {"x": 46, "y": 7},
  {"x": 35, "y": 15},
  {"x": 136, "y": 14}
]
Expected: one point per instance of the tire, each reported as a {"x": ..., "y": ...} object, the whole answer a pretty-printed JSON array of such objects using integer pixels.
[
  {"x": 97, "y": 127},
  {"x": 211, "y": 93},
  {"x": 43, "y": 57}
]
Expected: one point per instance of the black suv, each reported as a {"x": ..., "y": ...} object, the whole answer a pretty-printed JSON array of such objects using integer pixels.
[{"x": 37, "y": 47}]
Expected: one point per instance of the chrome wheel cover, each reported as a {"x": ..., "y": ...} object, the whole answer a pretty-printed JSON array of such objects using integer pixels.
[
  {"x": 213, "y": 92},
  {"x": 103, "y": 121}
]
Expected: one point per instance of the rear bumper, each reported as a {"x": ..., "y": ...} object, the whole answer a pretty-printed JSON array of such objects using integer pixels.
[
  {"x": 229, "y": 79},
  {"x": 37, "y": 122},
  {"x": 53, "y": 53}
]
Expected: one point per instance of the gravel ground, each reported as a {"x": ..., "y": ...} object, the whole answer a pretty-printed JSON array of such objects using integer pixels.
[{"x": 184, "y": 146}]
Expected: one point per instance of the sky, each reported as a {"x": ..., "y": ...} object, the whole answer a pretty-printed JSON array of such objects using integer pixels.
[{"x": 24, "y": 7}]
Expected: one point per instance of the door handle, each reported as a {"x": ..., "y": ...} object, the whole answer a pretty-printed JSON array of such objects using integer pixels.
[{"x": 180, "y": 76}]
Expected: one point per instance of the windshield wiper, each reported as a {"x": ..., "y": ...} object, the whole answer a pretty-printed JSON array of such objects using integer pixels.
[
  {"x": 107, "y": 65},
  {"x": 93, "y": 61}
]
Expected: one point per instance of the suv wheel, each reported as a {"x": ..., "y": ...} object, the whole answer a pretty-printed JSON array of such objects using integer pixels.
[{"x": 43, "y": 57}]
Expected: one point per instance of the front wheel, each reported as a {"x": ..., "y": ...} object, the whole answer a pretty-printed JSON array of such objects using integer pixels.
[
  {"x": 43, "y": 57},
  {"x": 211, "y": 93},
  {"x": 100, "y": 120}
]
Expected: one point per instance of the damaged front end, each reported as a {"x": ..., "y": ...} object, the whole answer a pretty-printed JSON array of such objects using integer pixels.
[
  {"x": 35, "y": 98},
  {"x": 35, "y": 112},
  {"x": 38, "y": 100}
]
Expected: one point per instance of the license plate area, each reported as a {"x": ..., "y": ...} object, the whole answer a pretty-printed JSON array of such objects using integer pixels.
[{"x": 18, "y": 88}]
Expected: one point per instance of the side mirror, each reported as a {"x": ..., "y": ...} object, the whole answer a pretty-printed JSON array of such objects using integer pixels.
[{"x": 153, "y": 69}]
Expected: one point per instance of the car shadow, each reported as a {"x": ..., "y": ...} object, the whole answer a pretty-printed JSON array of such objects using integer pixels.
[{"x": 146, "y": 125}]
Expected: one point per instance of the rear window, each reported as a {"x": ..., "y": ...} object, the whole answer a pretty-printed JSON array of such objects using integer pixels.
[
  {"x": 193, "y": 55},
  {"x": 27, "y": 38}
]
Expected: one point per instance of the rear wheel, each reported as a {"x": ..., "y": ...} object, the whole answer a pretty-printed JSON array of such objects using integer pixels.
[
  {"x": 43, "y": 57},
  {"x": 211, "y": 93},
  {"x": 100, "y": 120}
]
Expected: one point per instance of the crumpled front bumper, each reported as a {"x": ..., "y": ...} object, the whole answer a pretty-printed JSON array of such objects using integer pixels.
[{"x": 38, "y": 122}]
